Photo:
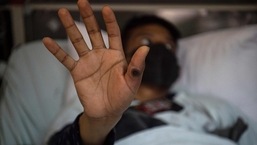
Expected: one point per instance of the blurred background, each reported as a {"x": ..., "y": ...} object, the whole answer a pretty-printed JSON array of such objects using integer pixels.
[{"x": 23, "y": 21}]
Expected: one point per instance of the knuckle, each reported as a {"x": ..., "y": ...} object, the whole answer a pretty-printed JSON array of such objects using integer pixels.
[{"x": 77, "y": 40}]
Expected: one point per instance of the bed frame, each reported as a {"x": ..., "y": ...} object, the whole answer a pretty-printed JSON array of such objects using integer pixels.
[{"x": 24, "y": 17}]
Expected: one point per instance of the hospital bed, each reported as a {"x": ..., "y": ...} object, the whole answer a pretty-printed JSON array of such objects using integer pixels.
[{"x": 38, "y": 96}]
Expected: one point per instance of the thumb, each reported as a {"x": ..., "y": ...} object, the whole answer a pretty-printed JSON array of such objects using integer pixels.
[{"x": 136, "y": 68}]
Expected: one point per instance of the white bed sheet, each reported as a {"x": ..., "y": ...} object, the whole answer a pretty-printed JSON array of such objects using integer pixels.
[
  {"x": 169, "y": 135},
  {"x": 202, "y": 114},
  {"x": 31, "y": 95}
]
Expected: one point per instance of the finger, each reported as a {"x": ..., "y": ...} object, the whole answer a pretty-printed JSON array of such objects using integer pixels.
[
  {"x": 58, "y": 52},
  {"x": 73, "y": 32},
  {"x": 113, "y": 29},
  {"x": 89, "y": 20},
  {"x": 136, "y": 68}
]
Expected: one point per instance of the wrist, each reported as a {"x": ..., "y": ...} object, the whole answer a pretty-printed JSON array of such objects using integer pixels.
[{"x": 93, "y": 131}]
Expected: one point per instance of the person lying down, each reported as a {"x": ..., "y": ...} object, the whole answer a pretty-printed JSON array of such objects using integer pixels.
[{"x": 124, "y": 89}]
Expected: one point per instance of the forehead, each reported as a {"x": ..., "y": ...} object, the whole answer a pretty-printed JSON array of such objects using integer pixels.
[
  {"x": 150, "y": 30},
  {"x": 153, "y": 32}
]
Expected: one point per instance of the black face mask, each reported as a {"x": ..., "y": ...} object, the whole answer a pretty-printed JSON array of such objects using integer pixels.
[{"x": 161, "y": 67}]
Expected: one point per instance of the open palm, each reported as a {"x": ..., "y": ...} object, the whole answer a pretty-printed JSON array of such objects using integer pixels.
[{"x": 104, "y": 81}]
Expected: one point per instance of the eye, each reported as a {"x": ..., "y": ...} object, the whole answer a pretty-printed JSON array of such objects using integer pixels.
[{"x": 145, "y": 41}]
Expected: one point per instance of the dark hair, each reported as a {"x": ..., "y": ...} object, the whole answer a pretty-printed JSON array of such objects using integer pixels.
[{"x": 142, "y": 20}]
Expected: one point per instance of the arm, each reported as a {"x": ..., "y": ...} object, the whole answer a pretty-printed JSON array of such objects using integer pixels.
[
  {"x": 104, "y": 81},
  {"x": 70, "y": 135}
]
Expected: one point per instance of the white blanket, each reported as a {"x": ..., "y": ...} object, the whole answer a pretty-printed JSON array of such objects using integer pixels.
[
  {"x": 169, "y": 135},
  {"x": 201, "y": 115}
]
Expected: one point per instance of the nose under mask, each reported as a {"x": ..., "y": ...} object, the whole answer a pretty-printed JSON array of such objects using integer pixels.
[{"x": 161, "y": 67}]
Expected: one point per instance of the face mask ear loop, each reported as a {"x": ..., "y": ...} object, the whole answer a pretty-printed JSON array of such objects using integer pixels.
[
  {"x": 146, "y": 41},
  {"x": 168, "y": 46}
]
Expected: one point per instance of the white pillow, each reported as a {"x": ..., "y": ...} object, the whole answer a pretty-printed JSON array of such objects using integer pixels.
[
  {"x": 223, "y": 64},
  {"x": 31, "y": 95}
]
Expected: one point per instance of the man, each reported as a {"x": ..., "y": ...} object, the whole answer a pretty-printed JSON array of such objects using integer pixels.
[
  {"x": 107, "y": 82},
  {"x": 108, "y": 87},
  {"x": 161, "y": 65},
  {"x": 160, "y": 73}
]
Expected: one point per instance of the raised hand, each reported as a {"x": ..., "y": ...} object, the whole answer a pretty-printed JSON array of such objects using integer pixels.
[{"x": 104, "y": 81}]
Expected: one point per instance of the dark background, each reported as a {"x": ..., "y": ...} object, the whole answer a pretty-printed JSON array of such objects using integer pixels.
[{"x": 40, "y": 23}]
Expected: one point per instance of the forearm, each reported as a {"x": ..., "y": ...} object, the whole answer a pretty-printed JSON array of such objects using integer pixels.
[
  {"x": 96, "y": 131},
  {"x": 80, "y": 135}
]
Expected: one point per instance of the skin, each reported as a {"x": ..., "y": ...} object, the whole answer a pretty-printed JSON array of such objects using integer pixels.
[
  {"x": 156, "y": 34},
  {"x": 105, "y": 83},
  {"x": 153, "y": 32}
]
